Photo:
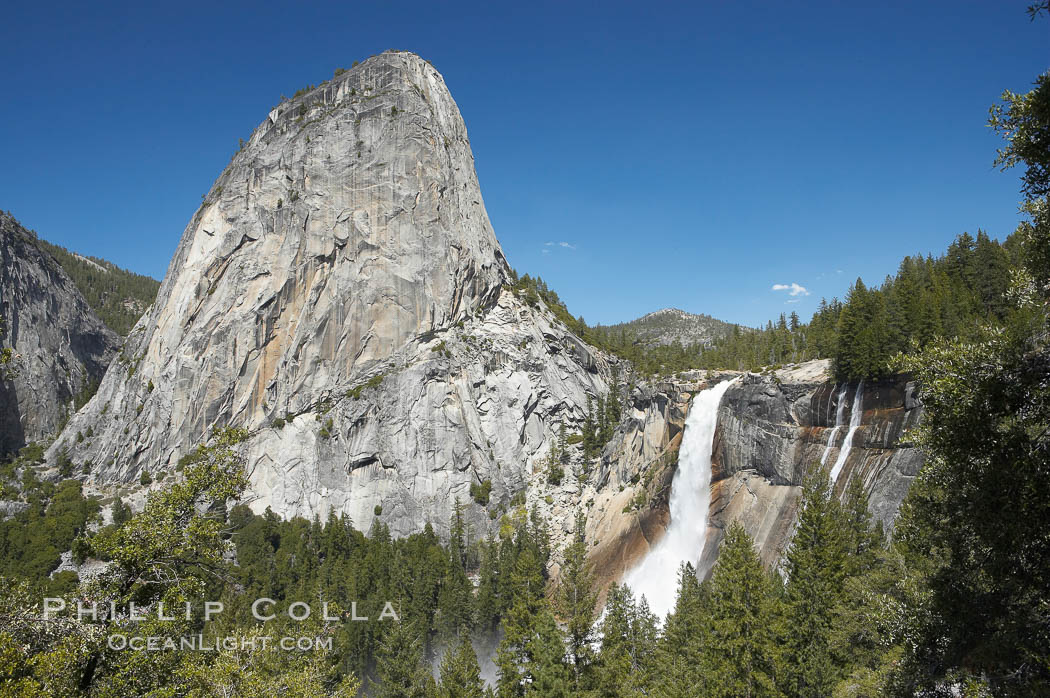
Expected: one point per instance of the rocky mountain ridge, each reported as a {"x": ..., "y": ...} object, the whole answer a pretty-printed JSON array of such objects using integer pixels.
[
  {"x": 671, "y": 325},
  {"x": 118, "y": 296}
]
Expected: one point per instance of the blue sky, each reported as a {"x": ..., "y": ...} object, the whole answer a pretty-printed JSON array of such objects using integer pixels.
[{"x": 691, "y": 156}]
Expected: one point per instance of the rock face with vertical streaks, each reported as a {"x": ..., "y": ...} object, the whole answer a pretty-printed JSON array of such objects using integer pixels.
[
  {"x": 340, "y": 294},
  {"x": 773, "y": 428}
]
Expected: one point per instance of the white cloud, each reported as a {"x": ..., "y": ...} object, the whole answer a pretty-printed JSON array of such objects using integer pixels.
[
  {"x": 793, "y": 289},
  {"x": 566, "y": 245}
]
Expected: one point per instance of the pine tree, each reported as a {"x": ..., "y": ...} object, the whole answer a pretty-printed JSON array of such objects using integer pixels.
[
  {"x": 489, "y": 606},
  {"x": 679, "y": 656},
  {"x": 455, "y": 603},
  {"x": 740, "y": 655},
  {"x": 590, "y": 436},
  {"x": 613, "y": 408},
  {"x": 816, "y": 568},
  {"x": 576, "y": 601},
  {"x": 863, "y": 538},
  {"x": 121, "y": 512},
  {"x": 531, "y": 655},
  {"x": 460, "y": 675},
  {"x": 400, "y": 672},
  {"x": 615, "y": 673},
  {"x": 601, "y": 425},
  {"x": 628, "y": 649}
]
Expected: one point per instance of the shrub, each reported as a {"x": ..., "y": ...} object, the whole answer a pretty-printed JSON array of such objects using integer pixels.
[
  {"x": 555, "y": 474},
  {"x": 326, "y": 430},
  {"x": 121, "y": 513},
  {"x": 373, "y": 382},
  {"x": 81, "y": 550},
  {"x": 480, "y": 492},
  {"x": 637, "y": 502},
  {"x": 33, "y": 453},
  {"x": 378, "y": 510},
  {"x": 145, "y": 479},
  {"x": 184, "y": 461},
  {"x": 442, "y": 348},
  {"x": 65, "y": 464}
]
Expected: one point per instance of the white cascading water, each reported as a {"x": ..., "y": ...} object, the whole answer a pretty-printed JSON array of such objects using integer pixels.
[
  {"x": 854, "y": 422},
  {"x": 840, "y": 414},
  {"x": 656, "y": 576}
]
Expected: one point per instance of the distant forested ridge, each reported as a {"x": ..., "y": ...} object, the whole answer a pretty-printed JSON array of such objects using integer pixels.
[
  {"x": 949, "y": 296},
  {"x": 118, "y": 296}
]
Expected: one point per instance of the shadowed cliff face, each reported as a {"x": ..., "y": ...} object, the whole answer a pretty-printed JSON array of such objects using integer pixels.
[
  {"x": 773, "y": 428},
  {"x": 340, "y": 295},
  {"x": 59, "y": 344}
]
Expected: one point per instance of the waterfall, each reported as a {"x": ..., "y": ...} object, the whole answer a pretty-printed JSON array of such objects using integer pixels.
[
  {"x": 840, "y": 414},
  {"x": 854, "y": 422},
  {"x": 656, "y": 576}
]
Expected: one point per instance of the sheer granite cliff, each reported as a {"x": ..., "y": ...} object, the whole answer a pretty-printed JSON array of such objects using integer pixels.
[
  {"x": 771, "y": 429},
  {"x": 58, "y": 345},
  {"x": 340, "y": 294}
]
